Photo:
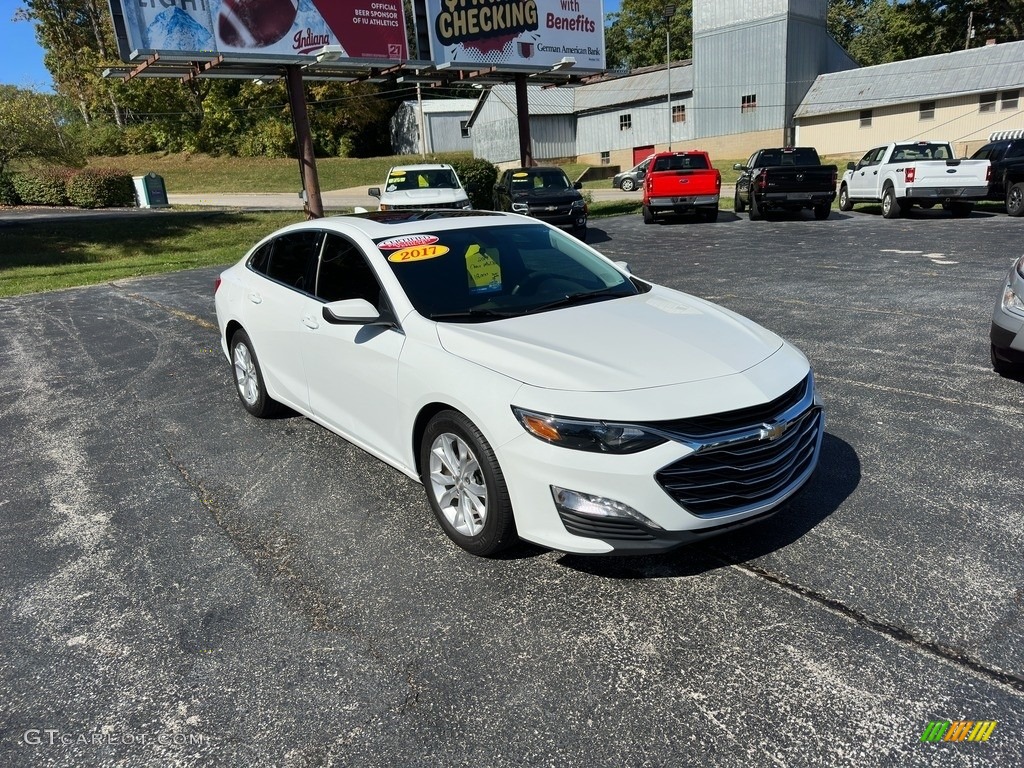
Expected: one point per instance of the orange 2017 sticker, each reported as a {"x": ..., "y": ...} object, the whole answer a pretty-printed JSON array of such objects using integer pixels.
[{"x": 418, "y": 253}]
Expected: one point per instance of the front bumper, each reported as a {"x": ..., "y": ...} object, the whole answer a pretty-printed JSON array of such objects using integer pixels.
[
  {"x": 1007, "y": 332},
  {"x": 678, "y": 487}
]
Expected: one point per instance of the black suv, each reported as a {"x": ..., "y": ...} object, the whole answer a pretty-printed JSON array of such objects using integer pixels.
[
  {"x": 1007, "y": 180},
  {"x": 543, "y": 192}
]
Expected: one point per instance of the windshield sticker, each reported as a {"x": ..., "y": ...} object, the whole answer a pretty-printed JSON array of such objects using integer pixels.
[
  {"x": 406, "y": 241},
  {"x": 484, "y": 269},
  {"x": 520, "y": 175},
  {"x": 418, "y": 253}
]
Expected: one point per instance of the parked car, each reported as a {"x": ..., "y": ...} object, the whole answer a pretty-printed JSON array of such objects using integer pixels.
[
  {"x": 909, "y": 173},
  {"x": 545, "y": 193},
  {"x": 1007, "y": 333},
  {"x": 678, "y": 182},
  {"x": 632, "y": 179},
  {"x": 535, "y": 388},
  {"x": 785, "y": 178},
  {"x": 1007, "y": 181},
  {"x": 425, "y": 185}
]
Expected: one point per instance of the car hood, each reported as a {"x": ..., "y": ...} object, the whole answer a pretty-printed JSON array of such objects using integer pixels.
[
  {"x": 425, "y": 196},
  {"x": 654, "y": 339}
]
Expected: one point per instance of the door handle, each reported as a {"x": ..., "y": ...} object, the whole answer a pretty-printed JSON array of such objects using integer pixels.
[
  {"x": 255, "y": 298},
  {"x": 310, "y": 322}
]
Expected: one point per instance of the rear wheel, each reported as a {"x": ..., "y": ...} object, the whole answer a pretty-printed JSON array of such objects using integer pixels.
[
  {"x": 711, "y": 214},
  {"x": 1015, "y": 199},
  {"x": 890, "y": 207},
  {"x": 627, "y": 185},
  {"x": 755, "y": 209},
  {"x": 465, "y": 486},
  {"x": 961, "y": 210},
  {"x": 822, "y": 211},
  {"x": 845, "y": 204},
  {"x": 249, "y": 378},
  {"x": 648, "y": 215}
]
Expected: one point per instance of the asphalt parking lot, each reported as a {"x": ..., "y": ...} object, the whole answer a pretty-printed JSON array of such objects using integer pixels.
[{"x": 183, "y": 584}]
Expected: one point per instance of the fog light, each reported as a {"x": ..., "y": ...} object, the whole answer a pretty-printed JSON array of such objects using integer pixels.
[{"x": 597, "y": 506}]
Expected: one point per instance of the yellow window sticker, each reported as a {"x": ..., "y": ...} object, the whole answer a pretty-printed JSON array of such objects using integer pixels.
[
  {"x": 484, "y": 269},
  {"x": 520, "y": 175},
  {"x": 418, "y": 253}
]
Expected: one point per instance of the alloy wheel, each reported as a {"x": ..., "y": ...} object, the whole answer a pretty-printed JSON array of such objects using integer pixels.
[{"x": 457, "y": 483}]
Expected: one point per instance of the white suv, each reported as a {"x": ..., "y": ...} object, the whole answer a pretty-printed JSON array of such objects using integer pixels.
[{"x": 427, "y": 185}]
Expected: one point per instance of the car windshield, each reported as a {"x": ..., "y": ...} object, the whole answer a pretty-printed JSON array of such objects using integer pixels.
[
  {"x": 410, "y": 178},
  {"x": 524, "y": 181},
  {"x": 488, "y": 273}
]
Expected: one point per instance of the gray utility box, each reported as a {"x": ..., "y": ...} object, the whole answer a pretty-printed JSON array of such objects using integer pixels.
[{"x": 150, "y": 191}]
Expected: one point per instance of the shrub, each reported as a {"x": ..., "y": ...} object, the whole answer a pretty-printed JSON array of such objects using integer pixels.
[
  {"x": 97, "y": 138},
  {"x": 268, "y": 138},
  {"x": 140, "y": 139},
  {"x": 8, "y": 194},
  {"x": 101, "y": 188},
  {"x": 478, "y": 177},
  {"x": 43, "y": 186}
]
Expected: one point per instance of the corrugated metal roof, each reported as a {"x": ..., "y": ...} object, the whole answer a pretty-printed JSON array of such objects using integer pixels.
[
  {"x": 629, "y": 89},
  {"x": 543, "y": 101},
  {"x": 990, "y": 68}
]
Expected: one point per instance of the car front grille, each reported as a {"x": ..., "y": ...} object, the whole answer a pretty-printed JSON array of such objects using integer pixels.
[
  {"x": 745, "y": 458},
  {"x": 433, "y": 206}
]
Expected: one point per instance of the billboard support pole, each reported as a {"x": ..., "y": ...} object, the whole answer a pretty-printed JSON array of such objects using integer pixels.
[
  {"x": 303, "y": 138},
  {"x": 523, "y": 118}
]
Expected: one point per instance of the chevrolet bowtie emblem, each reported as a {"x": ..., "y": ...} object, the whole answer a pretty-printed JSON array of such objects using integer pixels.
[{"x": 772, "y": 432}]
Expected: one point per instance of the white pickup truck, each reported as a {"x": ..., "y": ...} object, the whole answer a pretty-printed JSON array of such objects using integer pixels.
[{"x": 908, "y": 173}]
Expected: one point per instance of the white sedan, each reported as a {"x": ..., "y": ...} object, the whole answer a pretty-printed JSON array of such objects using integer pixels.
[{"x": 536, "y": 389}]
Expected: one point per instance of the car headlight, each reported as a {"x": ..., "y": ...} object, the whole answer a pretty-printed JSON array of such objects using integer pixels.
[
  {"x": 581, "y": 435},
  {"x": 579, "y": 203},
  {"x": 520, "y": 207},
  {"x": 1011, "y": 301}
]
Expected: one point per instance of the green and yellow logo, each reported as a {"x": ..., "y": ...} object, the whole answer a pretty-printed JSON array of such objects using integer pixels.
[{"x": 958, "y": 730}]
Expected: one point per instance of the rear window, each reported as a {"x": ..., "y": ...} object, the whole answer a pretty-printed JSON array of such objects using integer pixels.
[
  {"x": 681, "y": 163},
  {"x": 921, "y": 151},
  {"x": 798, "y": 156}
]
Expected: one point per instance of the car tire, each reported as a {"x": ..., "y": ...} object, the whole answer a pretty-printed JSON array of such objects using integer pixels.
[
  {"x": 845, "y": 203},
  {"x": 648, "y": 215},
  {"x": 756, "y": 212},
  {"x": 711, "y": 214},
  {"x": 580, "y": 233},
  {"x": 890, "y": 206},
  {"x": 1015, "y": 199},
  {"x": 737, "y": 204},
  {"x": 821, "y": 212},
  {"x": 961, "y": 210},
  {"x": 249, "y": 384},
  {"x": 627, "y": 185},
  {"x": 465, "y": 486}
]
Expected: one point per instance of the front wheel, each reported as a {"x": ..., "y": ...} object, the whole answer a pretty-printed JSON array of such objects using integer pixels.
[
  {"x": 580, "y": 233},
  {"x": 465, "y": 486},
  {"x": 249, "y": 384},
  {"x": 890, "y": 207},
  {"x": 845, "y": 203},
  {"x": 627, "y": 185},
  {"x": 1015, "y": 199},
  {"x": 737, "y": 203}
]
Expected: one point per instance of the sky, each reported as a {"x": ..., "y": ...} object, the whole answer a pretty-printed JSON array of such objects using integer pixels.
[{"x": 21, "y": 58}]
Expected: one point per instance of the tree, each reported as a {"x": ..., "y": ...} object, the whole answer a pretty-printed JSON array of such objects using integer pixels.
[
  {"x": 636, "y": 34},
  {"x": 32, "y": 128}
]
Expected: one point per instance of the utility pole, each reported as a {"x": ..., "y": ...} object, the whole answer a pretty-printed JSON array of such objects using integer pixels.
[{"x": 668, "y": 13}]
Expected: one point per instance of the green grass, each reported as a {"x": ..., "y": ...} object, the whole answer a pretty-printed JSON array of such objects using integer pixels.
[{"x": 61, "y": 254}]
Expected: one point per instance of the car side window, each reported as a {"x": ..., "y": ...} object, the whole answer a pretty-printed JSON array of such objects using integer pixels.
[
  {"x": 260, "y": 259},
  {"x": 1015, "y": 150},
  {"x": 344, "y": 273},
  {"x": 293, "y": 259}
]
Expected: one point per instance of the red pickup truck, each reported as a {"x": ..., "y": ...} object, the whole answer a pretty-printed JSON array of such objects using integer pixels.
[{"x": 678, "y": 182}]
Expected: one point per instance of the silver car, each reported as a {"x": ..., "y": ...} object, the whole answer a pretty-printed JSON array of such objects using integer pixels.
[
  {"x": 632, "y": 179},
  {"x": 1007, "y": 333}
]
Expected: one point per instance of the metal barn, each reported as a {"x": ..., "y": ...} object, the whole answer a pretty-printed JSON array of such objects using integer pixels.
[{"x": 446, "y": 123}]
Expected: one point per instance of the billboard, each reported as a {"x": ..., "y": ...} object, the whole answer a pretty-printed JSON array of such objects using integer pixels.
[
  {"x": 517, "y": 33},
  {"x": 286, "y": 29}
]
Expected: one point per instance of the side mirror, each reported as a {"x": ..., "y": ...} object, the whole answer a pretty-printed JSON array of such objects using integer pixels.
[
  {"x": 624, "y": 266},
  {"x": 578, "y": 185},
  {"x": 351, "y": 312},
  {"x": 851, "y": 166},
  {"x": 374, "y": 192},
  {"x": 739, "y": 167}
]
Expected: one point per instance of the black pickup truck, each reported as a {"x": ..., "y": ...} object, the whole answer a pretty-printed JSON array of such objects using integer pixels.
[
  {"x": 787, "y": 178},
  {"x": 1007, "y": 181}
]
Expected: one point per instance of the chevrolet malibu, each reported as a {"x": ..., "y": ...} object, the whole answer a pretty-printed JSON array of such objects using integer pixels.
[{"x": 536, "y": 389}]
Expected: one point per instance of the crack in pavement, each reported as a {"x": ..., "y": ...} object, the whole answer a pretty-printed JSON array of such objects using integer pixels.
[
  {"x": 955, "y": 656},
  {"x": 171, "y": 310}
]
